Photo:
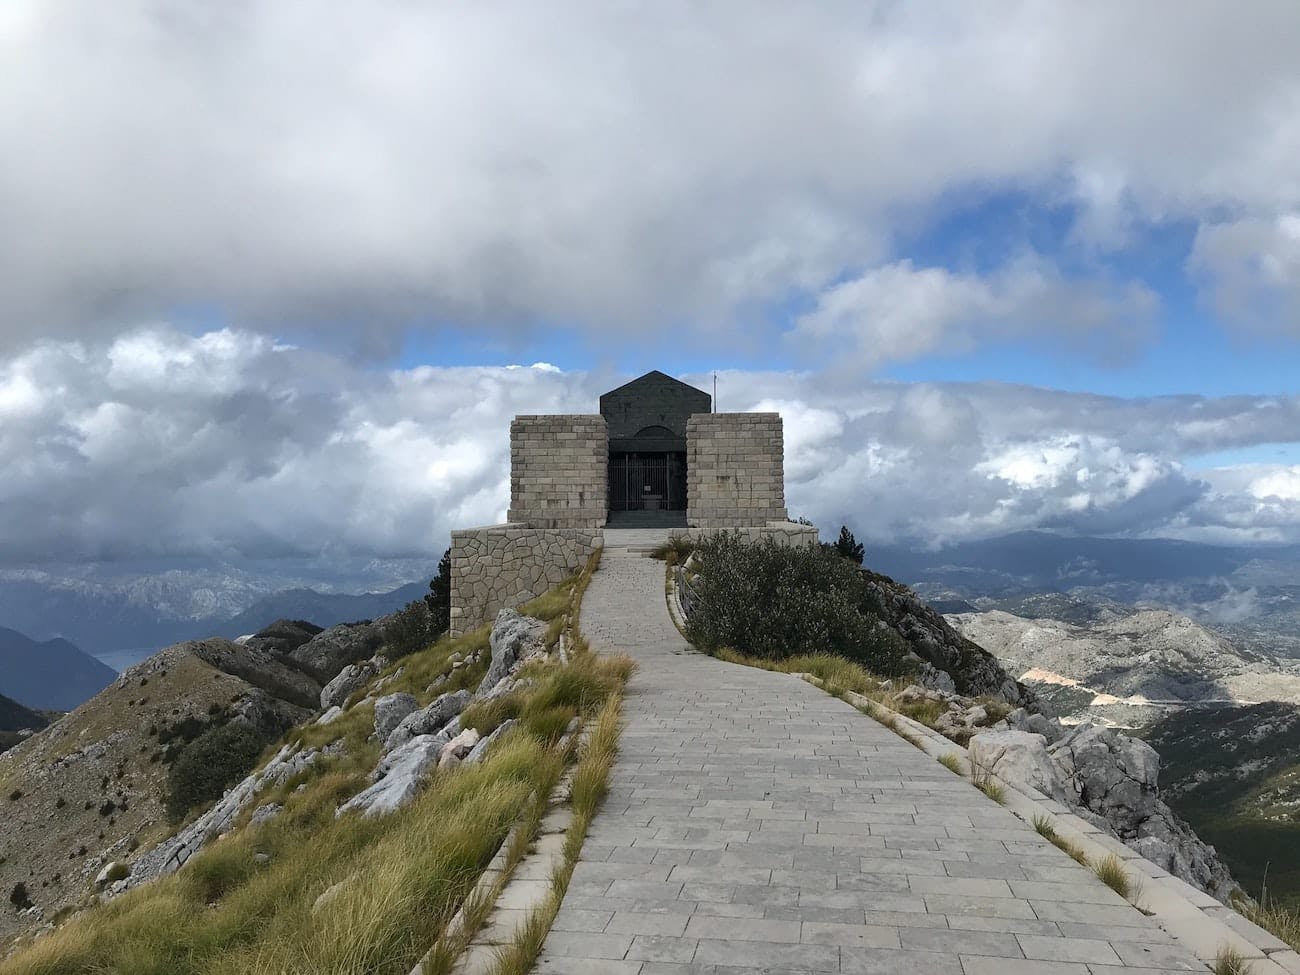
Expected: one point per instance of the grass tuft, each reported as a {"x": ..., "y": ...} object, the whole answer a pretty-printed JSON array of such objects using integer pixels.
[
  {"x": 1280, "y": 920},
  {"x": 952, "y": 762},
  {"x": 1111, "y": 872},
  {"x": 1229, "y": 961},
  {"x": 1046, "y": 830}
]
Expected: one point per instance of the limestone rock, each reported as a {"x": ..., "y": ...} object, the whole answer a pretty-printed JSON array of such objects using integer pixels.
[
  {"x": 512, "y": 637},
  {"x": 264, "y": 814},
  {"x": 408, "y": 767},
  {"x": 479, "y": 751},
  {"x": 350, "y": 679},
  {"x": 428, "y": 719},
  {"x": 330, "y": 716},
  {"x": 328, "y": 652},
  {"x": 1036, "y": 724},
  {"x": 390, "y": 711},
  {"x": 1020, "y": 758},
  {"x": 461, "y": 745},
  {"x": 1113, "y": 775}
]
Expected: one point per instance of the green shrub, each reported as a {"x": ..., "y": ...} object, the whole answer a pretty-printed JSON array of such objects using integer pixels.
[
  {"x": 776, "y": 601},
  {"x": 411, "y": 629},
  {"x": 206, "y": 766}
]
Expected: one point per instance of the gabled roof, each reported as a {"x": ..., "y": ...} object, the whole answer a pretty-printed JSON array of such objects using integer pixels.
[{"x": 654, "y": 375}]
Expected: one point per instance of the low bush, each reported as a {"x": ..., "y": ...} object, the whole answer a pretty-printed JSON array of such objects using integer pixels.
[
  {"x": 209, "y": 764},
  {"x": 777, "y": 601},
  {"x": 411, "y": 628}
]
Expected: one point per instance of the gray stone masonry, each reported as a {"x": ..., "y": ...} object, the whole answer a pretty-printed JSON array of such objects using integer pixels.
[
  {"x": 504, "y": 565},
  {"x": 559, "y": 471},
  {"x": 756, "y": 824},
  {"x": 654, "y": 399},
  {"x": 735, "y": 470}
]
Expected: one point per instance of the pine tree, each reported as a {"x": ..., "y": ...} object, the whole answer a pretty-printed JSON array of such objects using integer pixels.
[
  {"x": 848, "y": 546},
  {"x": 439, "y": 597}
]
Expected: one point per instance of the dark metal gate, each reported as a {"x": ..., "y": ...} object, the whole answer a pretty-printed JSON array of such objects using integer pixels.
[{"x": 647, "y": 482}]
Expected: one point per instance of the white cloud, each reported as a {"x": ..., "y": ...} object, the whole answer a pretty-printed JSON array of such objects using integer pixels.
[
  {"x": 356, "y": 167},
  {"x": 900, "y": 312},
  {"x": 1251, "y": 268},
  {"x": 225, "y": 445}
]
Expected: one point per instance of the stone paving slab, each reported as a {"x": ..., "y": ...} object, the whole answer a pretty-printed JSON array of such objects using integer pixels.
[{"x": 756, "y": 824}]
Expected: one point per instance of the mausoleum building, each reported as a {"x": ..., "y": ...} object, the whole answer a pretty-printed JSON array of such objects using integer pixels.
[{"x": 656, "y": 457}]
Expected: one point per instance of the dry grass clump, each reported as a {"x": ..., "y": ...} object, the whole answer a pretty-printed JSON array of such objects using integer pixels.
[
  {"x": 1046, "y": 830},
  {"x": 952, "y": 762},
  {"x": 1230, "y": 961},
  {"x": 590, "y": 784},
  {"x": 1111, "y": 872},
  {"x": 983, "y": 780},
  {"x": 1278, "y": 919}
]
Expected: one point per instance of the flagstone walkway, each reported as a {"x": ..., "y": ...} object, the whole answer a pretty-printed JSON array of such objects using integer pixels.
[{"x": 757, "y": 825}]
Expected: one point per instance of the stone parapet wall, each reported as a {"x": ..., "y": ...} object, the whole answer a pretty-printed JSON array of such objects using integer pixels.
[
  {"x": 559, "y": 471},
  {"x": 735, "y": 470},
  {"x": 505, "y": 565}
]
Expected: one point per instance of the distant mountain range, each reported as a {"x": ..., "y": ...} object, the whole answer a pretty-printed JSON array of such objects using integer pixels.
[
  {"x": 1250, "y": 594},
  {"x": 123, "y": 613},
  {"x": 51, "y": 674},
  {"x": 56, "y": 674},
  {"x": 321, "y": 608}
]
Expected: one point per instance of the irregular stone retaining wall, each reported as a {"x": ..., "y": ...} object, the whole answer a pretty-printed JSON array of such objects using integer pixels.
[
  {"x": 502, "y": 566},
  {"x": 559, "y": 471},
  {"x": 734, "y": 469}
]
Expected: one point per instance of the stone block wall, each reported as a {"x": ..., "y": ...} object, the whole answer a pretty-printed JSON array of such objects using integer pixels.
[
  {"x": 559, "y": 471},
  {"x": 505, "y": 565},
  {"x": 735, "y": 470}
]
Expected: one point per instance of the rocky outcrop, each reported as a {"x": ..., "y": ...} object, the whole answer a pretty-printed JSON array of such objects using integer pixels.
[
  {"x": 390, "y": 711},
  {"x": 428, "y": 719},
  {"x": 172, "y": 854},
  {"x": 513, "y": 637},
  {"x": 934, "y": 642},
  {"x": 1021, "y": 758},
  {"x": 282, "y": 636},
  {"x": 259, "y": 667},
  {"x": 1107, "y": 778},
  {"x": 404, "y": 772},
  {"x": 350, "y": 679},
  {"x": 329, "y": 651}
]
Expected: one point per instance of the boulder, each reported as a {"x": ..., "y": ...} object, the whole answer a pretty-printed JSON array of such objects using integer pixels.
[
  {"x": 461, "y": 745},
  {"x": 390, "y": 711},
  {"x": 330, "y": 716},
  {"x": 1020, "y": 758},
  {"x": 479, "y": 751},
  {"x": 428, "y": 719},
  {"x": 512, "y": 637},
  {"x": 1036, "y": 724},
  {"x": 1112, "y": 774},
  {"x": 350, "y": 679},
  {"x": 266, "y": 813},
  {"x": 408, "y": 766},
  {"x": 329, "y": 651},
  {"x": 113, "y": 872}
]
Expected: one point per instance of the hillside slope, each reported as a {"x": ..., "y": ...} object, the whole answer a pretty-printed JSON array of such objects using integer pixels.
[
  {"x": 1234, "y": 774},
  {"x": 52, "y": 674},
  {"x": 1118, "y": 666},
  {"x": 17, "y": 722},
  {"x": 94, "y": 786}
]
